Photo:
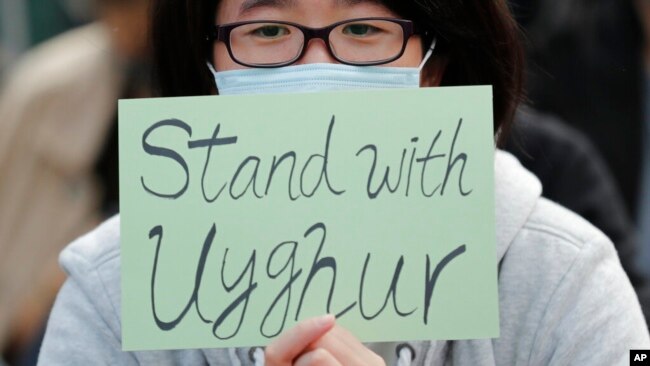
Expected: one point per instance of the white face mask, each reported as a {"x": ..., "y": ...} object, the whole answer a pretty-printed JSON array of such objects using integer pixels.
[{"x": 317, "y": 77}]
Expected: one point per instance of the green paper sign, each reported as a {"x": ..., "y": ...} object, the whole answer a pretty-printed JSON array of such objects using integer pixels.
[{"x": 241, "y": 215}]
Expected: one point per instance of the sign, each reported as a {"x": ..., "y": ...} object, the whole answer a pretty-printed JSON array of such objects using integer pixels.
[{"x": 241, "y": 215}]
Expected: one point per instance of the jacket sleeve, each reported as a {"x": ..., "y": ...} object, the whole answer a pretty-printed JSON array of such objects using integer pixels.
[
  {"x": 593, "y": 316},
  {"x": 78, "y": 334},
  {"x": 84, "y": 327}
]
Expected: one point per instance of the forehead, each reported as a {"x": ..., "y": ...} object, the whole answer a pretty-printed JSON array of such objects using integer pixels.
[
  {"x": 236, "y": 9},
  {"x": 290, "y": 3}
]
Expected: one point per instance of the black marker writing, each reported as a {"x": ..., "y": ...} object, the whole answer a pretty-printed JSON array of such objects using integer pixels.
[
  {"x": 286, "y": 290},
  {"x": 168, "y": 153},
  {"x": 391, "y": 182},
  {"x": 167, "y": 325},
  {"x": 242, "y": 299},
  {"x": 392, "y": 291},
  {"x": 431, "y": 279}
]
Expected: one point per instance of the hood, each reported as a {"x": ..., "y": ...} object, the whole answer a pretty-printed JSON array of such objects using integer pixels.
[{"x": 516, "y": 193}]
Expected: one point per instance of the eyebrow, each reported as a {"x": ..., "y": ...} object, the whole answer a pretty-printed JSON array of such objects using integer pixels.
[{"x": 252, "y": 4}]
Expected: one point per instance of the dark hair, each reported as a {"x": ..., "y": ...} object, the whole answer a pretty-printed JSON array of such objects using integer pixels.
[{"x": 479, "y": 37}]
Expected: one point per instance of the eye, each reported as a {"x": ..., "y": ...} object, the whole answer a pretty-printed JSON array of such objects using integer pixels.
[
  {"x": 271, "y": 31},
  {"x": 360, "y": 30}
]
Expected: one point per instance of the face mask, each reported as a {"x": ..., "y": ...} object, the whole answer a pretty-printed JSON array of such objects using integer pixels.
[{"x": 317, "y": 77}]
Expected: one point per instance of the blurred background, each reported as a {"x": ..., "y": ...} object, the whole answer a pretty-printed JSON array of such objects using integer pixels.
[
  {"x": 26, "y": 23},
  {"x": 63, "y": 66},
  {"x": 584, "y": 131}
]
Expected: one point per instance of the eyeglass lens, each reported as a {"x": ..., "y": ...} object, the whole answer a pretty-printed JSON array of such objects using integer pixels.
[{"x": 360, "y": 41}]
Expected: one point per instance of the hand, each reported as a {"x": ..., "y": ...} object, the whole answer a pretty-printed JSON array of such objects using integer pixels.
[
  {"x": 318, "y": 341},
  {"x": 343, "y": 347}
]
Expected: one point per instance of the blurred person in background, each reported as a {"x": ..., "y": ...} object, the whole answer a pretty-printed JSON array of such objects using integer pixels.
[
  {"x": 58, "y": 157},
  {"x": 585, "y": 66}
]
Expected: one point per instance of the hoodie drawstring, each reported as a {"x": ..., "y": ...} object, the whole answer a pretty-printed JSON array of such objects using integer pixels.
[
  {"x": 256, "y": 355},
  {"x": 405, "y": 354}
]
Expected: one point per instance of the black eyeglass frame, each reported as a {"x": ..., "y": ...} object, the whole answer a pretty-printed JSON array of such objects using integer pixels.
[{"x": 222, "y": 33}]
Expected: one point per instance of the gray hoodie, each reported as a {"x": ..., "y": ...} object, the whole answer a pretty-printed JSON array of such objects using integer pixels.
[{"x": 563, "y": 296}]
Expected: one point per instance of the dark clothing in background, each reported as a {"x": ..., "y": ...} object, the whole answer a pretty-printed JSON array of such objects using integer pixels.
[
  {"x": 585, "y": 66},
  {"x": 574, "y": 175}
]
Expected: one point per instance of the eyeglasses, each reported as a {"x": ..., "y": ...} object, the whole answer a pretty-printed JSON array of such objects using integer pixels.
[{"x": 362, "y": 42}]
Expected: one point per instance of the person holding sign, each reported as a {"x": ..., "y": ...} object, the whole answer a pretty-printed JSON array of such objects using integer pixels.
[{"x": 563, "y": 297}]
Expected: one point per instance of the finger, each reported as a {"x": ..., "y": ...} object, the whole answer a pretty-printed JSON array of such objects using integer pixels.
[
  {"x": 339, "y": 349},
  {"x": 346, "y": 348},
  {"x": 292, "y": 343},
  {"x": 345, "y": 338},
  {"x": 335, "y": 342},
  {"x": 317, "y": 357}
]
